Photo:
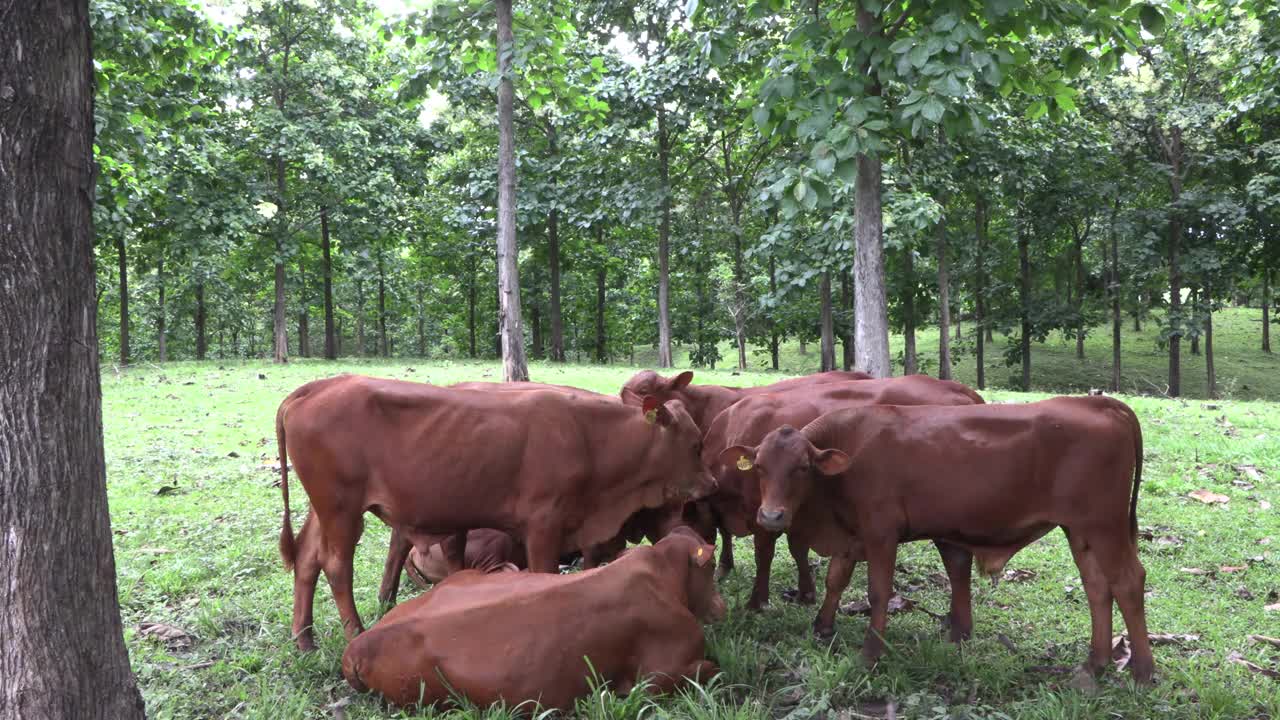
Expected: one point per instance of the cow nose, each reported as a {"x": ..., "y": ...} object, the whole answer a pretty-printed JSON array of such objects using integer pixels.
[{"x": 771, "y": 519}]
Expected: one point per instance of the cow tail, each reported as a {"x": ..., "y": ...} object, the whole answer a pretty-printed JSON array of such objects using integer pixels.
[
  {"x": 1137, "y": 475},
  {"x": 288, "y": 548}
]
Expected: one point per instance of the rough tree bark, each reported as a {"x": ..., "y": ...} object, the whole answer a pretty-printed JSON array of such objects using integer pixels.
[
  {"x": 121, "y": 254},
  {"x": 1266, "y": 309},
  {"x": 162, "y": 351},
  {"x": 514, "y": 366},
  {"x": 910, "y": 365},
  {"x": 202, "y": 340},
  {"x": 304, "y": 328},
  {"x": 330, "y": 342},
  {"x": 1078, "y": 238},
  {"x": 601, "y": 277},
  {"x": 828, "y": 325},
  {"x": 1193, "y": 294},
  {"x": 422, "y": 323},
  {"x": 664, "y": 241},
  {"x": 871, "y": 330},
  {"x": 1024, "y": 300},
  {"x": 553, "y": 256},
  {"x": 471, "y": 305},
  {"x": 63, "y": 653},
  {"x": 774, "y": 340},
  {"x": 360, "y": 318},
  {"x": 1171, "y": 143},
  {"x": 980, "y": 291},
  {"x": 944, "y": 305},
  {"x": 535, "y": 328}
]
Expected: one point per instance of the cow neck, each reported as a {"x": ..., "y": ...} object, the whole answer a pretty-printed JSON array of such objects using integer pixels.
[
  {"x": 705, "y": 402},
  {"x": 618, "y": 475},
  {"x": 673, "y": 573}
]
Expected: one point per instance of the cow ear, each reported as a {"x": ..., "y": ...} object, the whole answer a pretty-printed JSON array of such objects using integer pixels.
[
  {"x": 681, "y": 381},
  {"x": 631, "y": 397},
  {"x": 702, "y": 555},
  {"x": 655, "y": 411},
  {"x": 739, "y": 456},
  {"x": 831, "y": 462}
]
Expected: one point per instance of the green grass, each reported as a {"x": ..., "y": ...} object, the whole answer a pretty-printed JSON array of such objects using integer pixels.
[
  {"x": 202, "y": 556},
  {"x": 1244, "y": 371}
]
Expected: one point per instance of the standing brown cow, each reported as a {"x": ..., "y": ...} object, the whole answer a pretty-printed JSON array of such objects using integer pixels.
[
  {"x": 737, "y": 499},
  {"x": 550, "y": 468},
  {"x": 989, "y": 478},
  {"x": 705, "y": 402}
]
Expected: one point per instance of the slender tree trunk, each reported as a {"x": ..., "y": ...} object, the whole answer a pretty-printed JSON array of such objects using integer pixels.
[
  {"x": 910, "y": 361},
  {"x": 739, "y": 281},
  {"x": 497, "y": 319},
  {"x": 773, "y": 320},
  {"x": 281, "y": 334},
  {"x": 1211, "y": 374},
  {"x": 162, "y": 352},
  {"x": 330, "y": 342},
  {"x": 360, "y": 346},
  {"x": 1266, "y": 309},
  {"x": 337, "y": 336},
  {"x": 202, "y": 341},
  {"x": 514, "y": 366},
  {"x": 382, "y": 307},
  {"x": 846, "y": 320},
  {"x": 1078, "y": 258},
  {"x": 1174, "y": 156},
  {"x": 304, "y": 329},
  {"x": 535, "y": 329},
  {"x": 1024, "y": 299},
  {"x": 1194, "y": 296},
  {"x": 980, "y": 291},
  {"x": 601, "y": 276},
  {"x": 944, "y": 305},
  {"x": 553, "y": 253},
  {"x": 422, "y": 324},
  {"x": 1117, "y": 319},
  {"x": 63, "y": 653},
  {"x": 124, "y": 299},
  {"x": 828, "y": 325},
  {"x": 471, "y": 307},
  {"x": 664, "y": 239},
  {"x": 871, "y": 331}
]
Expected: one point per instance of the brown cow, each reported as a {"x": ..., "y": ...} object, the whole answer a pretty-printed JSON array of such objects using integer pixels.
[
  {"x": 636, "y": 619},
  {"x": 548, "y": 467},
  {"x": 487, "y": 550},
  {"x": 737, "y": 499},
  {"x": 705, "y": 402},
  {"x": 989, "y": 478}
]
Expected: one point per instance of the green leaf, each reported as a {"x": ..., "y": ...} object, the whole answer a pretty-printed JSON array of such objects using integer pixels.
[
  {"x": 933, "y": 110},
  {"x": 824, "y": 159},
  {"x": 919, "y": 55},
  {"x": 800, "y": 190},
  {"x": 847, "y": 170},
  {"x": 691, "y": 8},
  {"x": 761, "y": 116},
  {"x": 1037, "y": 109},
  {"x": 1065, "y": 102},
  {"x": 786, "y": 86},
  {"x": 1152, "y": 19}
]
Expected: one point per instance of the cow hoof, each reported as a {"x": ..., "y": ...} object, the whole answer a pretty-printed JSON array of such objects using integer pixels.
[
  {"x": 793, "y": 595},
  {"x": 755, "y": 605},
  {"x": 823, "y": 634},
  {"x": 306, "y": 644},
  {"x": 1082, "y": 679}
]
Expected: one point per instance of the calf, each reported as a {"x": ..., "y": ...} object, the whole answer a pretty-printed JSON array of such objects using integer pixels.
[
  {"x": 705, "y": 402},
  {"x": 639, "y": 618},
  {"x": 550, "y": 468},
  {"x": 487, "y": 550},
  {"x": 737, "y": 499},
  {"x": 988, "y": 478}
]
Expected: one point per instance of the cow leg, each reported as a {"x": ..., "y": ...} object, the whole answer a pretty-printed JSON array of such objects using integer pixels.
[
  {"x": 543, "y": 547},
  {"x": 959, "y": 565},
  {"x": 1098, "y": 591},
  {"x": 341, "y": 537},
  {"x": 306, "y": 572},
  {"x": 725, "y": 566},
  {"x": 806, "y": 592},
  {"x": 839, "y": 570},
  {"x": 880, "y": 561},
  {"x": 397, "y": 553},
  {"x": 764, "y": 542},
  {"x": 455, "y": 551},
  {"x": 1127, "y": 579}
]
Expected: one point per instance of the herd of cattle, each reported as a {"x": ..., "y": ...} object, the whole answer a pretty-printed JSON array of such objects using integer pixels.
[{"x": 480, "y": 480}]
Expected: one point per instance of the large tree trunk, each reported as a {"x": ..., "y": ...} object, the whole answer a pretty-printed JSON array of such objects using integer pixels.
[
  {"x": 944, "y": 306},
  {"x": 382, "y": 307},
  {"x": 514, "y": 366},
  {"x": 162, "y": 353},
  {"x": 846, "y": 320},
  {"x": 1266, "y": 308},
  {"x": 1211, "y": 375},
  {"x": 553, "y": 254},
  {"x": 871, "y": 330},
  {"x": 330, "y": 342},
  {"x": 1024, "y": 299},
  {"x": 1193, "y": 295},
  {"x": 980, "y": 291},
  {"x": 202, "y": 340},
  {"x": 910, "y": 365},
  {"x": 1174, "y": 157},
  {"x": 63, "y": 653},
  {"x": 828, "y": 325},
  {"x": 664, "y": 239},
  {"x": 122, "y": 256},
  {"x": 1117, "y": 318},
  {"x": 773, "y": 320}
]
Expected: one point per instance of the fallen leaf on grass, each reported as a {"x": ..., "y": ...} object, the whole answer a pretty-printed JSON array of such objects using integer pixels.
[
  {"x": 1264, "y": 505},
  {"x": 1120, "y": 651},
  {"x": 897, "y": 604},
  {"x": 1172, "y": 638},
  {"x": 1274, "y": 642},
  {"x": 1196, "y": 571},
  {"x": 1005, "y": 641},
  {"x": 233, "y": 454},
  {"x": 1168, "y": 541},
  {"x": 1233, "y": 568},
  {"x": 167, "y": 490},
  {"x": 1251, "y": 472},
  {"x": 1052, "y": 669},
  {"x": 1243, "y": 593},
  {"x": 1208, "y": 497},
  {"x": 1238, "y": 659},
  {"x": 1227, "y": 428},
  {"x": 174, "y": 638},
  {"x": 1019, "y": 575},
  {"x": 154, "y": 551},
  {"x": 939, "y": 580},
  {"x": 1274, "y": 607}
]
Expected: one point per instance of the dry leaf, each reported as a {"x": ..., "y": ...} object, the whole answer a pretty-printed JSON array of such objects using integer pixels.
[
  {"x": 1250, "y": 471},
  {"x": 1169, "y": 541},
  {"x": 173, "y": 637},
  {"x": 1243, "y": 593},
  {"x": 897, "y": 604},
  {"x": 1275, "y": 642},
  {"x": 1196, "y": 571},
  {"x": 1120, "y": 652},
  {"x": 1264, "y": 505},
  {"x": 1172, "y": 638},
  {"x": 1005, "y": 641},
  {"x": 1274, "y": 607},
  {"x": 1209, "y": 497},
  {"x": 1019, "y": 575},
  {"x": 1237, "y": 658},
  {"x": 1233, "y": 568},
  {"x": 154, "y": 550},
  {"x": 167, "y": 490}
]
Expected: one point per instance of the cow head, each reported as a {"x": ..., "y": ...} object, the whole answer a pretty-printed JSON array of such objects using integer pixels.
[
  {"x": 787, "y": 465},
  {"x": 648, "y": 383},
  {"x": 704, "y": 597},
  {"x": 681, "y": 441}
]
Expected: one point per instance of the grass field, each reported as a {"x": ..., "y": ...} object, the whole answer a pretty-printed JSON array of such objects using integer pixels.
[{"x": 190, "y": 449}]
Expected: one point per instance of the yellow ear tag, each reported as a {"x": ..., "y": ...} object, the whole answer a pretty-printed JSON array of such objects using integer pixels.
[
  {"x": 744, "y": 464},
  {"x": 651, "y": 417},
  {"x": 699, "y": 552}
]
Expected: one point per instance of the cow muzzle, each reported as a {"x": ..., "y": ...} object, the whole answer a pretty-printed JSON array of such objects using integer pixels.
[{"x": 772, "y": 519}]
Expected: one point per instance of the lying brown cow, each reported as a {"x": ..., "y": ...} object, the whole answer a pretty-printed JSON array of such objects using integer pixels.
[
  {"x": 737, "y": 499},
  {"x": 988, "y": 478},
  {"x": 487, "y": 550},
  {"x": 705, "y": 402},
  {"x": 637, "y": 618},
  {"x": 549, "y": 468}
]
